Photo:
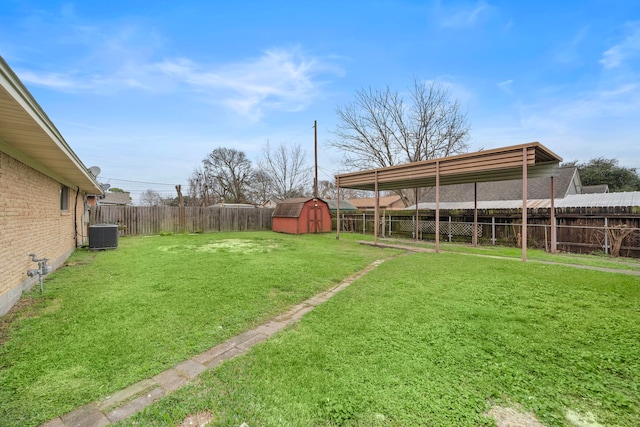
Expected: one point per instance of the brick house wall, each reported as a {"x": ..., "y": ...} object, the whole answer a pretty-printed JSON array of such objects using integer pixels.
[{"x": 32, "y": 221}]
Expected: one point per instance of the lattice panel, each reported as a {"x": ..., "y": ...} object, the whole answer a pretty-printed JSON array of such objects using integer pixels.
[{"x": 446, "y": 228}]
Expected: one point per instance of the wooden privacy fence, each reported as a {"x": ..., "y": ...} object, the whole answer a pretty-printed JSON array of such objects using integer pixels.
[{"x": 148, "y": 220}]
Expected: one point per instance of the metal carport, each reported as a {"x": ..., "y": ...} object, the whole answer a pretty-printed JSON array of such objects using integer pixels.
[{"x": 513, "y": 162}]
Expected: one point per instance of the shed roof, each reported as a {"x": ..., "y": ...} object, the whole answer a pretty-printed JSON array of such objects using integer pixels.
[
  {"x": 28, "y": 135},
  {"x": 291, "y": 208},
  {"x": 489, "y": 165}
]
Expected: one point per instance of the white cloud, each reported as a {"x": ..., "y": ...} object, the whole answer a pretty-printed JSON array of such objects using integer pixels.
[
  {"x": 570, "y": 51},
  {"x": 50, "y": 80},
  {"x": 465, "y": 16},
  {"x": 598, "y": 122},
  {"x": 627, "y": 48},
  {"x": 505, "y": 86},
  {"x": 280, "y": 79}
]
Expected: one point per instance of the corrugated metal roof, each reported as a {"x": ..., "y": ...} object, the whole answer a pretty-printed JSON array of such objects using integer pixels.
[{"x": 625, "y": 199}]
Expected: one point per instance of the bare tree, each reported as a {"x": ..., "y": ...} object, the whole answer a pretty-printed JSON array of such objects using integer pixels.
[
  {"x": 261, "y": 187},
  {"x": 230, "y": 170},
  {"x": 200, "y": 189},
  {"x": 151, "y": 198},
  {"x": 285, "y": 166},
  {"x": 379, "y": 129},
  {"x": 617, "y": 234}
]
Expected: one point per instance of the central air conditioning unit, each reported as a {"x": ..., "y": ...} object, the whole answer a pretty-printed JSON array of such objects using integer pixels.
[{"x": 103, "y": 236}]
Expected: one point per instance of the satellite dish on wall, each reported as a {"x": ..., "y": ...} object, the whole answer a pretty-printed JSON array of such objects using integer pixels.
[
  {"x": 95, "y": 171},
  {"x": 105, "y": 187}
]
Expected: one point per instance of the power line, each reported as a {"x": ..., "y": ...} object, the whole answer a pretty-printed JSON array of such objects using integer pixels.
[{"x": 141, "y": 182}]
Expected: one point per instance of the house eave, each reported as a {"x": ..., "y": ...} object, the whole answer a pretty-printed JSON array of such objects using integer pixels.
[{"x": 27, "y": 134}]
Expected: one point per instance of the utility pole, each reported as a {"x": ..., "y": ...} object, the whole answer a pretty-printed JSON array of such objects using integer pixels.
[{"x": 315, "y": 152}]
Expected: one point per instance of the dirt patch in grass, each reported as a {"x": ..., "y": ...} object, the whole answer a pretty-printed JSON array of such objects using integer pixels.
[
  {"x": 227, "y": 245},
  {"x": 509, "y": 417},
  {"x": 197, "y": 420},
  {"x": 25, "y": 307}
]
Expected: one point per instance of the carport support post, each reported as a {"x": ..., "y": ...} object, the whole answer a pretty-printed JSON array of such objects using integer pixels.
[
  {"x": 524, "y": 204},
  {"x": 475, "y": 214},
  {"x": 437, "y": 206},
  {"x": 338, "y": 209},
  {"x": 554, "y": 238},
  {"x": 415, "y": 223},
  {"x": 375, "y": 210}
]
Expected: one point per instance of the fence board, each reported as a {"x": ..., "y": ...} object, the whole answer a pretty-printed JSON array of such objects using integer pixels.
[{"x": 148, "y": 220}]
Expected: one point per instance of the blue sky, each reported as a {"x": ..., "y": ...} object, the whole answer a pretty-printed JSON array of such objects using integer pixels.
[{"x": 145, "y": 89}]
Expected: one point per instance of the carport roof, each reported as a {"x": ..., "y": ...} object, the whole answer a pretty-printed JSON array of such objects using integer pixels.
[
  {"x": 28, "y": 135},
  {"x": 488, "y": 165}
]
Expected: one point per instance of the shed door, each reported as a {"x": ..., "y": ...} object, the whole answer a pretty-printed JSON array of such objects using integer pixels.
[{"x": 315, "y": 218}]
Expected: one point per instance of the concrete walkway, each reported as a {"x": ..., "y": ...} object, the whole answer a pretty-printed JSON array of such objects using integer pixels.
[
  {"x": 124, "y": 403},
  {"x": 430, "y": 250}
]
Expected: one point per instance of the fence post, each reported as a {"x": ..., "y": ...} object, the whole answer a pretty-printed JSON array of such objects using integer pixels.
[
  {"x": 606, "y": 236},
  {"x": 493, "y": 230},
  {"x": 554, "y": 235},
  {"x": 415, "y": 228}
]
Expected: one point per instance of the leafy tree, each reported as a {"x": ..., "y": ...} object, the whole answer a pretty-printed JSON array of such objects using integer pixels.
[
  {"x": 229, "y": 173},
  {"x": 607, "y": 171},
  {"x": 116, "y": 190}
]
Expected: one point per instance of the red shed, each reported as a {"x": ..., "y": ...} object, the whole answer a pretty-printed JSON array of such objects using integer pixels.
[{"x": 302, "y": 215}]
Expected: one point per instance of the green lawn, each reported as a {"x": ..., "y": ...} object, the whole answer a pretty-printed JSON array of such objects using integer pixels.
[
  {"x": 436, "y": 339},
  {"x": 602, "y": 261},
  {"x": 109, "y": 319},
  {"x": 425, "y": 339}
]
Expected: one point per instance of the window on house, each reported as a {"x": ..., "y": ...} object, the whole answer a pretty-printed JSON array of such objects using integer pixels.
[{"x": 64, "y": 197}]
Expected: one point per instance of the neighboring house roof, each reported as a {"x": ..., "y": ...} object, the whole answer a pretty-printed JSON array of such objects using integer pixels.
[
  {"x": 344, "y": 205},
  {"x": 291, "y": 208},
  {"x": 232, "y": 205},
  {"x": 274, "y": 201},
  {"x": 386, "y": 202},
  {"x": 598, "y": 200},
  {"x": 115, "y": 199},
  {"x": 28, "y": 135},
  {"x": 595, "y": 189},
  {"x": 566, "y": 183}
]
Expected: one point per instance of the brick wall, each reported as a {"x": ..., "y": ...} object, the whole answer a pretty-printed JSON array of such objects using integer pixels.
[{"x": 31, "y": 221}]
